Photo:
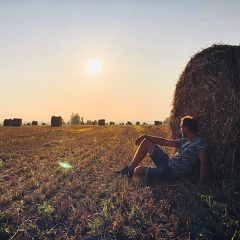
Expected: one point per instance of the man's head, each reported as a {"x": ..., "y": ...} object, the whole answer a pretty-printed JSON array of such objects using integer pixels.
[{"x": 190, "y": 123}]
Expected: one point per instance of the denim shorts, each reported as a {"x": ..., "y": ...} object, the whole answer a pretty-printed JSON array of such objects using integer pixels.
[{"x": 162, "y": 171}]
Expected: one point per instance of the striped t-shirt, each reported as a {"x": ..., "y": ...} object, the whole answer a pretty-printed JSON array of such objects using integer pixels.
[{"x": 186, "y": 159}]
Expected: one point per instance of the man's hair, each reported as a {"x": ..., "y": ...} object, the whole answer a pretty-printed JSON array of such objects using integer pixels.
[{"x": 191, "y": 123}]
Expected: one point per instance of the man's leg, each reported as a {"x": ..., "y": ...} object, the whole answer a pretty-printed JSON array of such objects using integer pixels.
[
  {"x": 141, "y": 171},
  {"x": 160, "y": 159},
  {"x": 145, "y": 147}
]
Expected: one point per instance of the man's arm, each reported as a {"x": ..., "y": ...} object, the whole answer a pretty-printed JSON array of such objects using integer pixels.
[
  {"x": 203, "y": 156},
  {"x": 156, "y": 140}
]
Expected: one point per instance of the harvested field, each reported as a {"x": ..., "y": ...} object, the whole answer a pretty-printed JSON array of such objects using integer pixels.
[{"x": 40, "y": 199}]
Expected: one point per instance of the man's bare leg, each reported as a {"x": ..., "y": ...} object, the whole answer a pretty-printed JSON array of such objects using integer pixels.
[{"x": 146, "y": 146}]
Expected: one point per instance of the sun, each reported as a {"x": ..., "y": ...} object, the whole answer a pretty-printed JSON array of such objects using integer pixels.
[{"x": 94, "y": 66}]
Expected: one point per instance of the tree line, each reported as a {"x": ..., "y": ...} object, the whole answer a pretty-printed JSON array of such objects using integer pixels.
[{"x": 75, "y": 119}]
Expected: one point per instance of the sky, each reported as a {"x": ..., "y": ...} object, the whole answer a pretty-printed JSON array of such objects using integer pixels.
[{"x": 143, "y": 46}]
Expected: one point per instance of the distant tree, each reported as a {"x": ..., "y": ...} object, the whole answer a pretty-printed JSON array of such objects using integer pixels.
[
  {"x": 166, "y": 121},
  {"x": 75, "y": 119}
]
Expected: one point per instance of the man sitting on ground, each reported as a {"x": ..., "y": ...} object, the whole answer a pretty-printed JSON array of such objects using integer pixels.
[{"x": 192, "y": 152}]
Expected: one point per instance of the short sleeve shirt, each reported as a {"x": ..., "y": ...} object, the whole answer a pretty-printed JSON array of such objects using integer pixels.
[{"x": 186, "y": 159}]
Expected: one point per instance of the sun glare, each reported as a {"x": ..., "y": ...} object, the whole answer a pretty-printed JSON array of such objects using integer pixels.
[
  {"x": 65, "y": 165},
  {"x": 94, "y": 66}
]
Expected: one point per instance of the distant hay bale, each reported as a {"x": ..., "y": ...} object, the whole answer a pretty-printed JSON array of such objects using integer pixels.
[
  {"x": 157, "y": 123},
  {"x": 56, "y": 121},
  {"x": 34, "y": 123},
  {"x": 101, "y": 122},
  {"x": 7, "y": 122},
  {"x": 17, "y": 122},
  {"x": 209, "y": 90}
]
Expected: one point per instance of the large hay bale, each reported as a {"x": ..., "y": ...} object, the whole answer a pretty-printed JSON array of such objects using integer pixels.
[
  {"x": 56, "y": 121},
  {"x": 101, "y": 122},
  {"x": 7, "y": 122},
  {"x": 17, "y": 122},
  {"x": 157, "y": 123},
  {"x": 209, "y": 90}
]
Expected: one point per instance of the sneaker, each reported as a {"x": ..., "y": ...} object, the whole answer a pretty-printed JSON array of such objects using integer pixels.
[{"x": 125, "y": 171}]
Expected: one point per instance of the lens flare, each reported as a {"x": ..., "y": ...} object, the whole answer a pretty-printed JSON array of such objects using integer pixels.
[{"x": 65, "y": 165}]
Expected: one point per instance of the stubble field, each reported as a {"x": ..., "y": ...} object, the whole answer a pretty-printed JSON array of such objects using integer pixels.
[{"x": 40, "y": 199}]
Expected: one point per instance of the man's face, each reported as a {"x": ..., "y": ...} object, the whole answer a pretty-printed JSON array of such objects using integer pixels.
[{"x": 183, "y": 130}]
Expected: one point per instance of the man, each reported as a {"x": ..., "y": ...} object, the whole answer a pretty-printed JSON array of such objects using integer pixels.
[{"x": 192, "y": 152}]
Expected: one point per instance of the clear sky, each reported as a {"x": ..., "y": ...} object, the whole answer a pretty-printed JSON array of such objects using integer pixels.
[{"x": 143, "y": 46}]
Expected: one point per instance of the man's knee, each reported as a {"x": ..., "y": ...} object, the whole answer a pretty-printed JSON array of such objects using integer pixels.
[
  {"x": 140, "y": 171},
  {"x": 148, "y": 145}
]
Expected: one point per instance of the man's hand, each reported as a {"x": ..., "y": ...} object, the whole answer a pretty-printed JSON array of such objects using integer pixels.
[
  {"x": 203, "y": 156},
  {"x": 157, "y": 140},
  {"x": 202, "y": 187}
]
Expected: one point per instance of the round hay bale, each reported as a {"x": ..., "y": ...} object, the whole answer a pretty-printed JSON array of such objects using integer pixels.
[
  {"x": 56, "y": 121},
  {"x": 209, "y": 90},
  {"x": 17, "y": 122},
  {"x": 7, "y": 122},
  {"x": 101, "y": 122}
]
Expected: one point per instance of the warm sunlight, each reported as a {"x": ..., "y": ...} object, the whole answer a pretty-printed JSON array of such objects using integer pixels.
[{"x": 94, "y": 66}]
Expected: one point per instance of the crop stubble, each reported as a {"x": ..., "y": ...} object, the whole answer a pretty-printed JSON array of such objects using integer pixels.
[{"x": 41, "y": 200}]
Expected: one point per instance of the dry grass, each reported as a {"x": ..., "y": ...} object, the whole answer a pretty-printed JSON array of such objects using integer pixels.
[{"x": 41, "y": 200}]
